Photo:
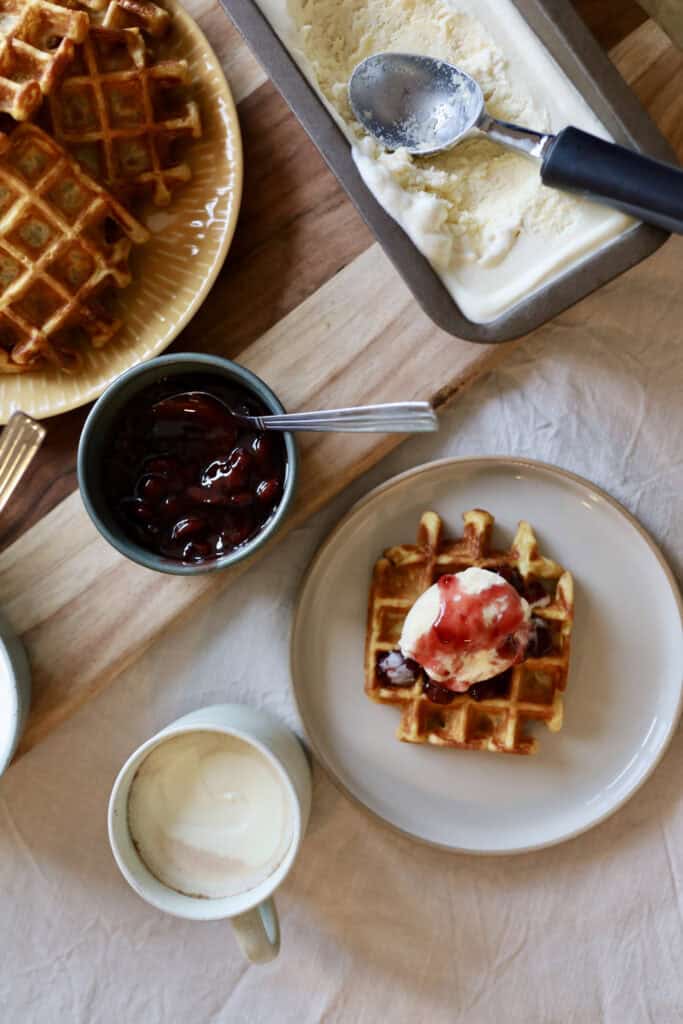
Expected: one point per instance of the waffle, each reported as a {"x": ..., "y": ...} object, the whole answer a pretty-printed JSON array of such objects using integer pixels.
[
  {"x": 37, "y": 43},
  {"x": 122, "y": 115},
  {"x": 140, "y": 14},
  {"x": 96, "y": 6},
  {"x": 64, "y": 245},
  {"x": 494, "y": 715}
]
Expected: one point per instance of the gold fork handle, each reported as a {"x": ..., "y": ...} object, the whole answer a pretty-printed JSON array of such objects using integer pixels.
[{"x": 20, "y": 440}]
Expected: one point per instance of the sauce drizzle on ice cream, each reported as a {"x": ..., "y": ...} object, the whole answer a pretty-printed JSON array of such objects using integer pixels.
[{"x": 466, "y": 628}]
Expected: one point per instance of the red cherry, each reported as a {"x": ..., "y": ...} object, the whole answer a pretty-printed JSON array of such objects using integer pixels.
[
  {"x": 512, "y": 576},
  {"x": 437, "y": 694},
  {"x": 202, "y": 409},
  {"x": 242, "y": 499},
  {"x": 138, "y": 510},
  {"x": 236, "y": 535},
  {"x": 267, "y": 491},
  {"x": 171, "y": 507},
  {"x": 191, "y": 472},
  {"x": 152, "y": 488},
  {"x": 195, "y": 551},
  {"x": 194, "y": 483},
  {"x": 167, "y": 467},
  {"x": 535, "y": 591},
  {"x": 540, "y": 639},
  {"x": 231, "y": 474},
  {"x": 206, "y": 496},
  {"x": 188, "y": 527},
  {"x": 490, "y": 689},
  {"x": 163, "y": 465},
  {"x": 395, "y": 670},
  {"x": 261, "y": 448}
]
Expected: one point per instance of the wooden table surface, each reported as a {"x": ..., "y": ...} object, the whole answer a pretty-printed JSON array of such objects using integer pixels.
[{"x": 277, "y": 231}]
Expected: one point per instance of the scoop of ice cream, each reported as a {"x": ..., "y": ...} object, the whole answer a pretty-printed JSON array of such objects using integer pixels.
[
  {"x": 479, "y": 213},
  {"x": 468, "y": 627},
  {"x": 469, "y": 204}
]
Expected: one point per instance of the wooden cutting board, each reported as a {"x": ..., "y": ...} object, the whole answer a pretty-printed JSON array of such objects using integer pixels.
[{"x": 309, "y": 302}]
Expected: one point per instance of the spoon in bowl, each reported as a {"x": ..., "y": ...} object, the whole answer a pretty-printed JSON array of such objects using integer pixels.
[
  {"x": 391, "y": 418},
  {"x": 426, "y": 106}
]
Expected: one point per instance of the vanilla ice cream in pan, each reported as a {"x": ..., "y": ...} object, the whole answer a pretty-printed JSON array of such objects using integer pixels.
[{"x": 497, "y": 253}]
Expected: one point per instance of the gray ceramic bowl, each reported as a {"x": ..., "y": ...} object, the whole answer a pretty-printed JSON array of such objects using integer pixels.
[
  {"x": 95, "y": 432},
  {"x": 15, "y": 692}
]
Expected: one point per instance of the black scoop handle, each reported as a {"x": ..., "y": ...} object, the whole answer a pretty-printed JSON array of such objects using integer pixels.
[{"x": 647, "y": 189}]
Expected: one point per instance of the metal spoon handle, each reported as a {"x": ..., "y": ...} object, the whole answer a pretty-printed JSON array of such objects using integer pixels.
[
  {"x": 393, "y": 418},
  {"x": 522, "y": 140},
  {"x": 21, "y": 439}
]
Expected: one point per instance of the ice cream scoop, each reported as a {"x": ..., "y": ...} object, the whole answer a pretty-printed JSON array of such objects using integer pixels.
[
  {"x": 425, "y": 105},
  {"x": 467, "y": 627}
]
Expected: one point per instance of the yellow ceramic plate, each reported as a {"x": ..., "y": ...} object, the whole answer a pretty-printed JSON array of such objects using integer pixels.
[{"x": 173, "y": 273}]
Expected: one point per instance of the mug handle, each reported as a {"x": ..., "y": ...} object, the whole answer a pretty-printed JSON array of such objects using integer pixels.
[{"x": 258, "y": 932}]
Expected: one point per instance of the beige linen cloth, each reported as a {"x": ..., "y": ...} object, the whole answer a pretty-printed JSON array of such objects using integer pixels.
[{"x": 378, "y": 929}]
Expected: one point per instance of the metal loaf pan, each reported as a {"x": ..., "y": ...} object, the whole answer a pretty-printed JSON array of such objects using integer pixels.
[{"x": 567, "y": 38}]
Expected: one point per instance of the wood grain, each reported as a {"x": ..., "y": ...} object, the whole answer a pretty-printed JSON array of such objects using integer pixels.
[
  {"x": 283, "y": 305},
  {"x": 326, "y": 352},
  {"x": 279, "y": 229},
  {"x": 611, "y": 20}
]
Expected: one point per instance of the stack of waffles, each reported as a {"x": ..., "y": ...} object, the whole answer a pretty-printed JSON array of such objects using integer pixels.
[
  {"x": 91, "y": 121},
  {"x": 494, "y": 715}
]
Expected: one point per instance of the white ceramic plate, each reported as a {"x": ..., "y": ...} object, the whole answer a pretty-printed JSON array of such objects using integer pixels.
[
  {"x": 624, "y": 694},
  {"x": 15, "y": 692}
]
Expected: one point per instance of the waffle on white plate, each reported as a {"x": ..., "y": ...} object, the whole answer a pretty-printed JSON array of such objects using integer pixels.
[{"x": 493, "y": 715}]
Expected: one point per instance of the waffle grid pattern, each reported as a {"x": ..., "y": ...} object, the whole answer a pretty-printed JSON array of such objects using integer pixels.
[
  {"x": 37, "y": 43},
  {"x": 497, "y": 723},
  {"x": 64, "y": 242},
  {"x": 142, "y": 14},
  {"x": 121, "y": 115}
]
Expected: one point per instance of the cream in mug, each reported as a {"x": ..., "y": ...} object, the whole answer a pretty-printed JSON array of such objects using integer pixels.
[{"x": 210, "y": 815}]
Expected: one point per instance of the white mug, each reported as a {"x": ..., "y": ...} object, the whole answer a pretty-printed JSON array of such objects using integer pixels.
[{"x": 252, "y": 914}]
